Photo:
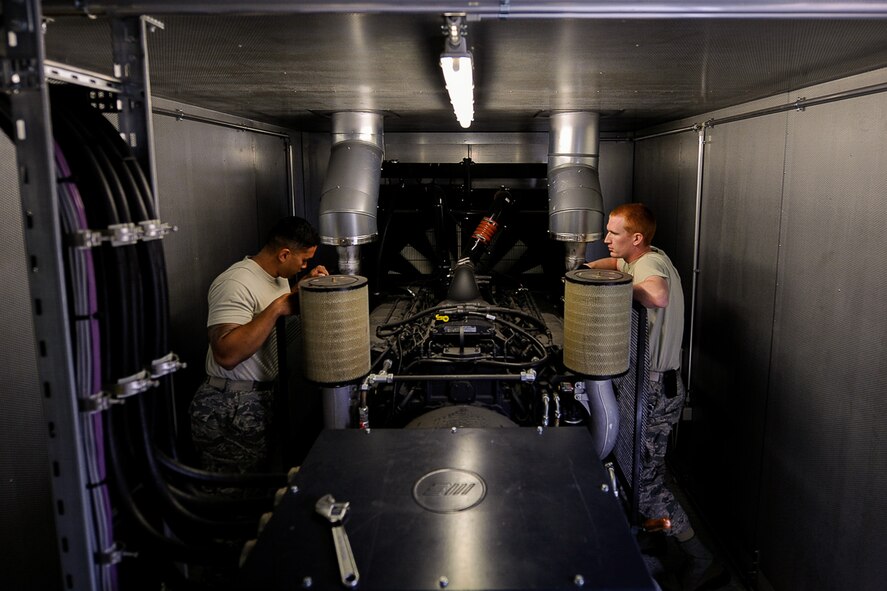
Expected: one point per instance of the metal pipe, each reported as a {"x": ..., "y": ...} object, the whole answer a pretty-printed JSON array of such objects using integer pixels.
[
  {"x": 799, "y": 105},
  {"x": 700, "y": 163},
  {"x": 290, "y": 180},
  {"x": 337, "y": 404},
  {"x": 495, "y": 9},
  {"x": 575, "y": 203},
  {"x": 450, "y": 377},
  {"x": 180, "y": 115},
  {"x": 664, "y": 133}
]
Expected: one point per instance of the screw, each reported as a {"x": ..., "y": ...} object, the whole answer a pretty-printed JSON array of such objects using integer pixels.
[
  {"x": 453, "y": 430},
  {"x": 579, "y": 580},
  {"x": 307, "y": 582},
  {"x": 294, "y": 489},
  {"x": 539, "y": 430},
  {"x": 605, "y": 488},
  {"x": 443, "y": 582}
]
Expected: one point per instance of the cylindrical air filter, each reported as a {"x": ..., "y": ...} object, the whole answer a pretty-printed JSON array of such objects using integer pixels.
[
  {"x": 335, "y": 328},
  {"x": 597, "y": 322}
]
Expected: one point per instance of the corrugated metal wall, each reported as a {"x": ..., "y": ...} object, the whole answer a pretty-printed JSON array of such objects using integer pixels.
[
  {"x": 223, "y": 188},
  {"x": 665, "y": 180},
  {"x": 28, "y": 547},
  {"x": 825, "y": 452},
  {"x": 786, "y": 449}
]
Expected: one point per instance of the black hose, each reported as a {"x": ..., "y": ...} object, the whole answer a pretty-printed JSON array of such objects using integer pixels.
[
  {"x": 158, "y": 483},
  {"x": 211, "y": 553},
  {"x": 261, "y": 480}
]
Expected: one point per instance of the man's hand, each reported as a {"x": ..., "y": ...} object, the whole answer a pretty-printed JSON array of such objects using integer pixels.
[
  {"x": 318, "y": 271},
  {"x": 607, "y": 263}
]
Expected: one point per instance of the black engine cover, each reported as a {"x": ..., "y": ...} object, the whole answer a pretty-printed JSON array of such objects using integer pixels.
[{"x": 462, "y": 509}]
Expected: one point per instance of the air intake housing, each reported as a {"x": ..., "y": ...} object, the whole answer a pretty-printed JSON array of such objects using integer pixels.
[
  {"x": 335, "y": 328},
  {"x": 350, "y": 195},
  {"x": 575, "y": 203},
  {"x": 597, "y": 322}
]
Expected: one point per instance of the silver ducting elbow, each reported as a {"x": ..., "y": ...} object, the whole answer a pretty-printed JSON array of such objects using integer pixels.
[
  {"x": 350, "y": 194},
  {"x": 575, "y": 202},
  {"x": 604, "y": 420}
]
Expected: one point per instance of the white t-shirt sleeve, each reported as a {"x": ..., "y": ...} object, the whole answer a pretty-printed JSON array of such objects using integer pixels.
[
  {"x": 230, "y": 302},
  {"x": 649, "y": 266}
]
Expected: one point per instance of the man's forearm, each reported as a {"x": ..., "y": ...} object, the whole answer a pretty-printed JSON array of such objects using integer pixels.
[{"x": 234, "y": 346}]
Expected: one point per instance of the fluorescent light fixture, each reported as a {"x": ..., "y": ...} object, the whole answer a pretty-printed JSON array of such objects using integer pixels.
[{"x": 457, "y": 68}]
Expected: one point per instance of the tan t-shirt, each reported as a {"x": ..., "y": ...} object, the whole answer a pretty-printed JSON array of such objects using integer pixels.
[
  {"x": 665, "y": 326},
  {"x": 236, "y": 297}
]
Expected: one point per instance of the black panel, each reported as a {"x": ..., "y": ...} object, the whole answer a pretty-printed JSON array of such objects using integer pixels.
[
  {"x": 544, "y": 518},
  {"x": 27, "y": 530}
]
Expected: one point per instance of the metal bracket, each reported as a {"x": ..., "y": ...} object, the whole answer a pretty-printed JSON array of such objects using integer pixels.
[
  {"x": 113, "y": 555},
  {"x": 132, "y": 385},
  {"x": 154, "y": 229},
  {"x": 86, "y": 239},
  {"x": 122, "y": 234},
  {"x": 581, "y": 396},
  {"x": 166, "y": 365},
  {"x": 98, "y": 402}
]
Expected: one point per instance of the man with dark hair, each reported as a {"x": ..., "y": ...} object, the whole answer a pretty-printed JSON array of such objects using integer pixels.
[
  {"x": 656, "y": 285},
  {"x": 231, "y": 410}
]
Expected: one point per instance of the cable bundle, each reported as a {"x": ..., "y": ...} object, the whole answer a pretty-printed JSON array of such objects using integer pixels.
[{"x": 119, "y": 313}]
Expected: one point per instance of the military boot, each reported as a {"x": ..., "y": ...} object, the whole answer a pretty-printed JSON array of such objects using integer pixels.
[{"x": 700, "y": 567}]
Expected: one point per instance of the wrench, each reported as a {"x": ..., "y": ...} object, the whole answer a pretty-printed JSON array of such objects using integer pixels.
[{"x": 335, "y": 512}]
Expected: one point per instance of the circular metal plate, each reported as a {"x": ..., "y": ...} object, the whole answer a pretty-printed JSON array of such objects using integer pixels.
[
  {"x": 449, "y": 490},
  {"x": 332, "y": 283},
  {"x": 598, "y": 276}
]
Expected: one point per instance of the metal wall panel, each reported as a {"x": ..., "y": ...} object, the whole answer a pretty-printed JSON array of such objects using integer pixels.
[
  {"x": 785, "y": 448},
  {"x": 665, "y": 180},
  {"x": 27, "y": 543},
  {"x": 223, "y": 188},
  {"x": 824, "y": 509},
  {"x": 734, "y": 314}
]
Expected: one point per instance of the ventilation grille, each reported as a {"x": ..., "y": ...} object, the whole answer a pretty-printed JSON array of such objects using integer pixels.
[{"x": 631, "y": 394}]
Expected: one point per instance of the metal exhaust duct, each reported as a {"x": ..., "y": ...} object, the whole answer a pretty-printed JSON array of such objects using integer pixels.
[
  {"x": 575, "y": 203},
  {"x": 350, "y": 194}
]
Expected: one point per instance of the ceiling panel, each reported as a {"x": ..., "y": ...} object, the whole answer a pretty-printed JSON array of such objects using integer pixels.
[{"x": 293, "y": 70}]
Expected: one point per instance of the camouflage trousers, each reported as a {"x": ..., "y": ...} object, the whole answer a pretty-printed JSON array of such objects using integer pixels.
[
  {"x": 232, "y": 429},
  {"x": 655, "y": 499}
]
